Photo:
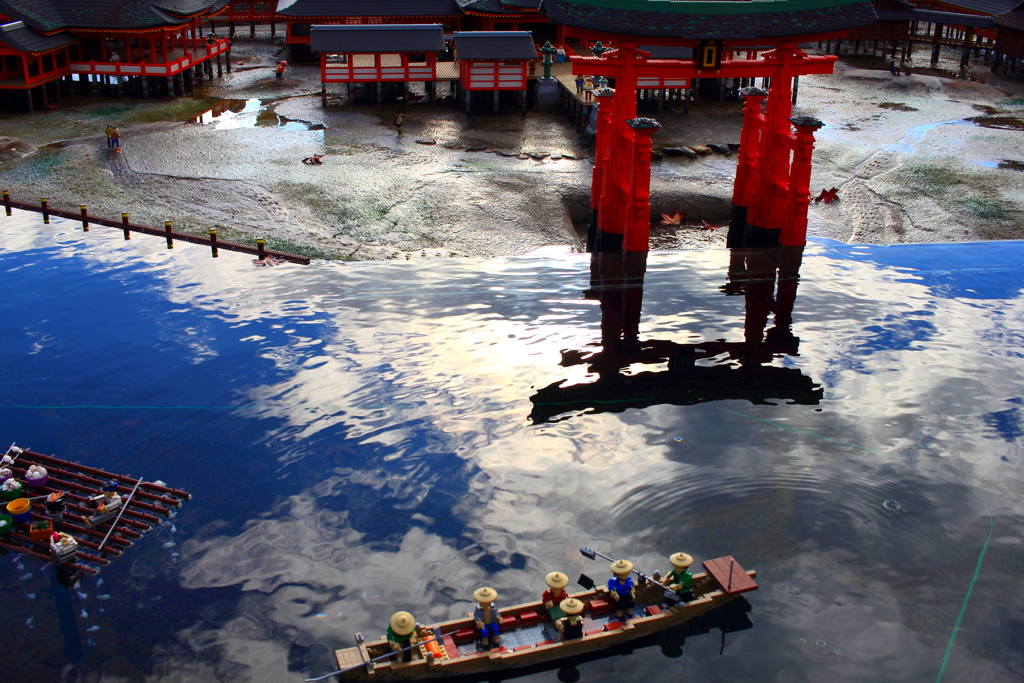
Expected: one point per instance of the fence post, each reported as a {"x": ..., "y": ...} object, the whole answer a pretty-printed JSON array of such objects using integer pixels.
[
  {"x": 7, "y": 202},
  {"x": 46, "y": 215},
  {"x": 124, "y": 221},
  {"x": 167, "y": 229},
  {"x": 85, "y": 215},
  {"x": 260, "y": 249},
  {"x": 213, "y": 241}
]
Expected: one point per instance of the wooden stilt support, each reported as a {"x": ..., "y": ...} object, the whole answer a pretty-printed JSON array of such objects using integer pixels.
[
  {"x": 213, "y": 242},
  {"x": 124, "y": 220},
  {"x": 85, "y": 218},
  {"x": 7, "y": 202},
  {"x": 167, "y": 229},
  {"x": 46, "y": 215},
  {"x": 261, "y": 251}
]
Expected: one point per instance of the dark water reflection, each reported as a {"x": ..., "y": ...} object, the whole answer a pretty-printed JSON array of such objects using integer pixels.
[{"x": 365, "y": 437}]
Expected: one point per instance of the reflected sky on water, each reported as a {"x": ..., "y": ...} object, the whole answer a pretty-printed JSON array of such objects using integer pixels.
[{"x": 366, "y": 437}]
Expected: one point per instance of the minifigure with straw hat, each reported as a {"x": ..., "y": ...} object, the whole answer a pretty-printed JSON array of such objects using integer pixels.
[
  {"x": 487, "y": 617},
  {"x": 571, "y": 626},
  {"x": 555, "y": 594},
  {"x": 680, "y": 579},
  {"x": 402, "y": 633},
  {"x": 620, "y": 588}
]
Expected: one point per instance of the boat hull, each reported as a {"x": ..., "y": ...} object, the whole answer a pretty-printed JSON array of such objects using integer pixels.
[{"x": 529, "y": 638}]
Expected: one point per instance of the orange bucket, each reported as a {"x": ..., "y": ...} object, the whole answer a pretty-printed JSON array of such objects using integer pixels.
[{"x": 20, "y": 509}]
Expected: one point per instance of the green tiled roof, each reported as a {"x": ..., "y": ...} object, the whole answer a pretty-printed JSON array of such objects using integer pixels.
[{"x": 712, "y": 19}]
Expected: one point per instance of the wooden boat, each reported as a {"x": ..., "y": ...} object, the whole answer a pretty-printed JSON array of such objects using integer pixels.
[{"x": 529, "y": 637}]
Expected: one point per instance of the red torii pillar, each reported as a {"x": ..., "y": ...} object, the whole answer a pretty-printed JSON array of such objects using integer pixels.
[{"x": 771, "y": 193}]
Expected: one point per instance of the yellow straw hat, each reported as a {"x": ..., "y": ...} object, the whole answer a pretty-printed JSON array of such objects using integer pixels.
[
  {"x": 403, "y": 623},
  {"x": 622, "y": 567},
  {"x": 556, "y": 580},
  {"x": 680, "y": 560},
  {"x": 571, "y": 606},
  {"x": 485, "y": 595}
]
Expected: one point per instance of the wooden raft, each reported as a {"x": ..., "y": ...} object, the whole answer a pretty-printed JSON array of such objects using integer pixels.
[{"x": 148, "y": 507}]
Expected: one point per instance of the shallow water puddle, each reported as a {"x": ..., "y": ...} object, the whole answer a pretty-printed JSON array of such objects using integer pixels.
[{"x": 230, "y": 114}]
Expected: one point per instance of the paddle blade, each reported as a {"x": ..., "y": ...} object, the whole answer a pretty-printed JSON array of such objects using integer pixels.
[{"x": 586, "y": 582}]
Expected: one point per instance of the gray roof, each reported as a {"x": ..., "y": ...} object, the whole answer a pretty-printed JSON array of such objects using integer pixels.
[
  {"x": 1013, "y": 19},
  {"x": 53, "y": 15},
  {"x": 495, "y": 45},
  {"x": 368, "y": 8},
  {"x": 717, "y": 20},
  {"x": 21, "y": 37},
  {"x": 944, "y": 18},
  {"x": 989, "y": 7},
  {"x": 378, "y": 38}
]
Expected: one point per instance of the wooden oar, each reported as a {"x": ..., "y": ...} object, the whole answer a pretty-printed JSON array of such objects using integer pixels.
[
  {"x": 375, "y": 659},
  {"x": 593, "y": 554}
]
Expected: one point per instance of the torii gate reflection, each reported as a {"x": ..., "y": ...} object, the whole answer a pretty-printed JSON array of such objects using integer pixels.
[
  {"x": 771, "y": 192},
  {"x": 617, "y": 280}
]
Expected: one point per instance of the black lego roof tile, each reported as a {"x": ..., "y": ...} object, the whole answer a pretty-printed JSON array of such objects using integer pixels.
[
  {"x": 494, "y": 45},
  {"x": 386, "y": 38},
  {"x": 368, "y": 8},
  {"x": 21, "y": 37},
  {"x": 691, "y": 24},
  {"x": 54, "y": 15}
]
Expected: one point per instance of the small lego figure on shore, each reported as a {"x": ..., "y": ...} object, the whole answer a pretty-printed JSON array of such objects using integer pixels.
[
  {"x": 109, "y": 143},
  {"x": 588, "y": 88},
  {"x": 680, "y": 579},
  {"x": 314, "y": 160},
  {"x": 579, "y": 85},
  {"x": 560, "y": 55},
  {"x": 115, "y": 138},
  {"x": 892, "y": 67},
  {"x": 279, "y": 69},
  {"x": 402, "y": 634},
  {"x": 555, "y": 594},
  {"x": 487, "y": 617},
  {"x": 399, "y": 119},
  {"x": 620, "y": 588}
]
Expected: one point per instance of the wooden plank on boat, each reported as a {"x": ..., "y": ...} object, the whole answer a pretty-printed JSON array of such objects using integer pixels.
[
  {"x": 731, "y": 584},
  {"x": 348, "y": 657}
]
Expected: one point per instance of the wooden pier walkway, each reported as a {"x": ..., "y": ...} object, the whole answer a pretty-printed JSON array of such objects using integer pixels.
[{"x": 167, "y": 232}]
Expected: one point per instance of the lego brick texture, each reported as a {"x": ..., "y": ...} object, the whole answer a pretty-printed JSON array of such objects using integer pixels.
[
  {"x": 494, "y": 45},
  {"x": 368, "y": 8},
  {"x": 374, "y": 38},
  {"x": 711, "y": 19},
  {"x": 53, "y": 15}
]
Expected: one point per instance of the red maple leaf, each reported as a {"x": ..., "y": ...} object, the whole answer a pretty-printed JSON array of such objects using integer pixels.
[
  {"x": 828, "y": 196},
  {"x": 675, "y": 219}
]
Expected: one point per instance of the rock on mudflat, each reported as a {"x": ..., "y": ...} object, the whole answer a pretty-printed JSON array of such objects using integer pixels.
[
  {"x": 426, "y": 141},
  {"x": 679, "y": 152},
  {"x": 701, "y": 149},
  {"x": 654, "y": 155},
  {"x": 721, "y": 149},
  {"x": 13, "y": 148}
]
